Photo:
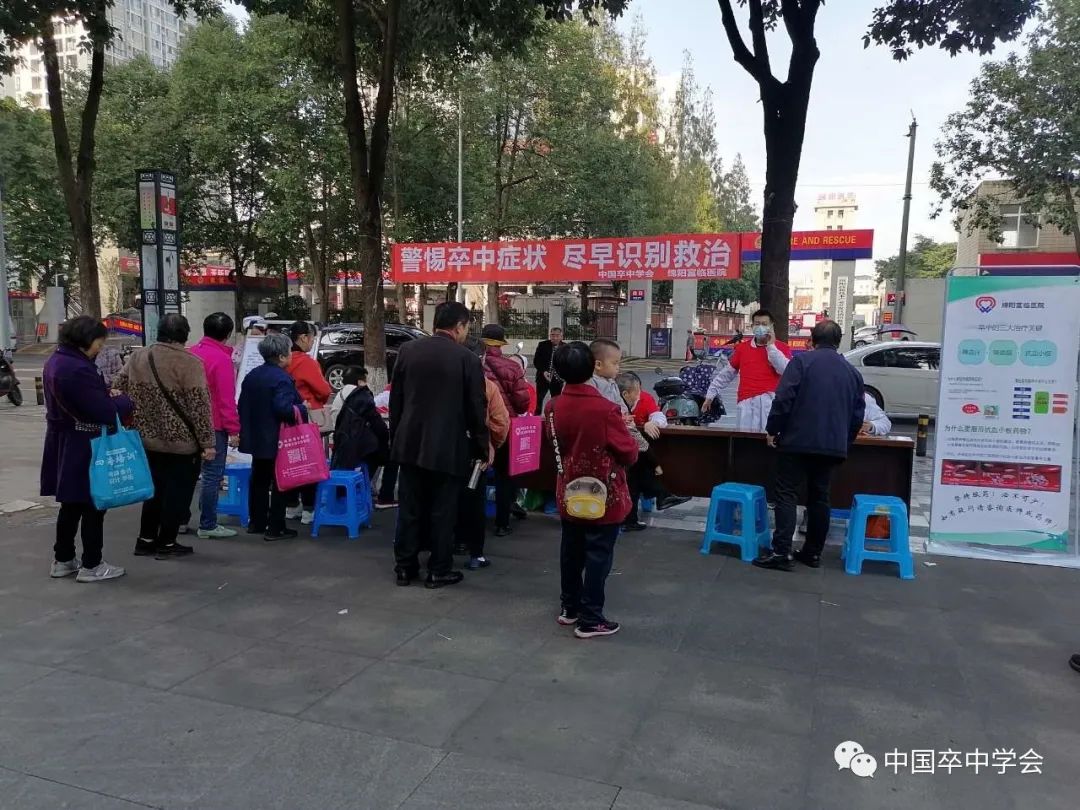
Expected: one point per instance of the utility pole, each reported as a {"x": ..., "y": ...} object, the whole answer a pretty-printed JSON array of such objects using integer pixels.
[
  {"x": 5, "y": 308},
  {"x": 460, "y": 207},
  {"x": 898, "y": 307}
]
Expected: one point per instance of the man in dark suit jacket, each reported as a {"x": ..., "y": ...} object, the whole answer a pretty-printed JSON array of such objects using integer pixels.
[
  {"x": 546, "y": 379},
  {"x": 816, "y": 415},
  {"x": 438, "y": 429}
]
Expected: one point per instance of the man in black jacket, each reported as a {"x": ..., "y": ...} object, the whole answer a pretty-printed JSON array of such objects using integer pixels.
[
  {"x": 546, "y": 380},
  {"x": 438, "y": 429},
  {"x": 815, "y": 417}
]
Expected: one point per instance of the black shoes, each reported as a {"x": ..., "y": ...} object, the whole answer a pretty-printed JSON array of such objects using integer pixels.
[
  {"x": 808, "y": 559},
  {"x": 145, "y": 548},
  {"x": 284, "y": 534},
  {"x": 1074, "y": 662},
  {"x": 503, "y": 531},
  {"x": 634, "y": 526},
  {"x": 669, "y": 501},
  {"x": 775, "y": 562},
  {"x": 453, "y": 578},
  {"x": 256, "y": 530},
  {"x": 518, "y": 511},
  {"x": 159, "y": 551},
  {"x": 404, "y": 578}
]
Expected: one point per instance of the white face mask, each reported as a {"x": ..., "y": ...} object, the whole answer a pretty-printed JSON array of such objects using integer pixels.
[{"x": 760, "y": 331}]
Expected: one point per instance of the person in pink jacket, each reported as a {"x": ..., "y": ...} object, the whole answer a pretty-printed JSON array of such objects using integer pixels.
[{"x": 216, "y": 356}]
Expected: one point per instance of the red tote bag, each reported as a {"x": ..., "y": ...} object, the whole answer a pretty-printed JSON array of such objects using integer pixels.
[
  {"x": 300, "y": 457},
  {"x": 525, "y": 444}
]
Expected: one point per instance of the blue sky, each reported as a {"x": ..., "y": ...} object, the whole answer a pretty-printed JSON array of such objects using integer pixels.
[{"x": 859, "y": 109}]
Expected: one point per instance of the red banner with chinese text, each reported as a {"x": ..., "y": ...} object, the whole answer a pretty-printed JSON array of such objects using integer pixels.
[{"x": 656, "y": 258}]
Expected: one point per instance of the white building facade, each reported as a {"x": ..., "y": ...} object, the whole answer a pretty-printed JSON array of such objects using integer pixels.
[{"x": 149, "y": 28}]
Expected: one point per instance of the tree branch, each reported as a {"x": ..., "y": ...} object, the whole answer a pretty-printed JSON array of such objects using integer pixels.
[
  {"x": 757, "y": 33},
  {"x": 354, "y": 109},
  {"x": 384, "y": 100},
  {"x": 759, "y": 71}
]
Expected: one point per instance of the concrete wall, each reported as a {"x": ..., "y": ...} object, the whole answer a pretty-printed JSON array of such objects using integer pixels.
[
  {"x": 203, "y": 303},
  {"x": 925, "y": 306}
]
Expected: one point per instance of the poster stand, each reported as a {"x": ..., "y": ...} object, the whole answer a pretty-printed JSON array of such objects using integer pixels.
[{"x": 1007, "y": 455}]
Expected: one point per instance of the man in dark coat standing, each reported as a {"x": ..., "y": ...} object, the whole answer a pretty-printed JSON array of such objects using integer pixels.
[
  {"x": 816, "y": 415},
  {"x": 546, "y": 379},
  {"x": 438, "y": 430}
]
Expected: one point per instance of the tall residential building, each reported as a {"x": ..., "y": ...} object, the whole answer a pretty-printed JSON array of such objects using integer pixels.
[
  {"x": 148, "y": 28},
  {"x": 836, "y": 211}
]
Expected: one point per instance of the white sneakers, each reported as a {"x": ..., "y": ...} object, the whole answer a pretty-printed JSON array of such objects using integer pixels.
[
  {"x": 103, "y": 572},
  {"x": 294, "y": 512},
  {"x": 216, "y": 533},
  {"x": 307, "y": 518},
  {"x": 65, "y": 569}
]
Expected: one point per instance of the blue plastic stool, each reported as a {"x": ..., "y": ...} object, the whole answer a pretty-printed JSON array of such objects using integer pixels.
[
  {"x": 648, "y": 504},
  {"x": 739, "y": 516},
  {"x": 344, "y": 499},
  {"x": 234, "y": 501},
  {"x": 489, "y": 493},
  {"x": 897, "y": 548}
]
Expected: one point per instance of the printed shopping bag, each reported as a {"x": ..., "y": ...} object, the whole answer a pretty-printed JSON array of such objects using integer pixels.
[
  {"x": 119, "y": 471},
  {"x": 301, "y": 459},
  {"x": 525, "y": 444}
]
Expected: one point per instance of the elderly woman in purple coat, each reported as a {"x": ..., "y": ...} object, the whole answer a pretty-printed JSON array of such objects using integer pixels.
[{"x": 77, "y": 405}]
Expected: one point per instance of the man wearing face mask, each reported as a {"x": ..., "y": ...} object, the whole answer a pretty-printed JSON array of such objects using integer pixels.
[{"x": 758, "y": 363}]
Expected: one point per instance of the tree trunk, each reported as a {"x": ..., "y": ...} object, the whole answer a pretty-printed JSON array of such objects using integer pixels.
[
  {"x": 76, "y": 182},
  {"x": 583, "y": 291},
  {"x": 451, "y": 291},
  {"x": 320, "y": 307},
  {"x": 491, "y": 307},
  {"x": 374, "y": 311}
]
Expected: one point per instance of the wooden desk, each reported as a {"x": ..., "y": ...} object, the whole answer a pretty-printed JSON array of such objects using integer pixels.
[{"x": 695, "y": 459}]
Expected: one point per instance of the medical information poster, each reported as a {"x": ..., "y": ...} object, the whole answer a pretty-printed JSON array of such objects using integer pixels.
[{"x": 1003, "y": 462}]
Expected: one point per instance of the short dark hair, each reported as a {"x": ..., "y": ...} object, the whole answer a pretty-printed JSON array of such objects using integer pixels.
[
  {"x": 763, "y": 313},
  {"x": 574, "y": 362},
  {"x": 173, "y": 328},
  {"x": 450, "y": 314},
  {"x": 218, "y": 326},
  {"x": 354, "y": 375},
  {"x": 300, "y": 328},
  {"x": 80, "y": 333},
  {"x": 475, "y": 345},
  {"x": 826, "y": 333},
  {"x": 600, "y": 345}
]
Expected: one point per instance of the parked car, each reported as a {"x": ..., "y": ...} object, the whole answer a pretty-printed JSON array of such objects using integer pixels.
[
  {"x": 342, "y": 345},
  {"x": 902, "y": 376},
  {"x": 882, "y": 334}
]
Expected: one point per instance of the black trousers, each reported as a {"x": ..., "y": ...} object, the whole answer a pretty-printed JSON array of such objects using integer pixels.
[
  {"x": 471, "y": 519},
  {"x": 68, "y": 520},
  {"x": 174, "y": 485},
  {"x": 790, "y": 471},
  {"x": 427, "y": 516},
  {"x": 585, "y": 561},
  {"x": 266, "y": 503},
  {"x": 303, "y": 497},
  {"x": 389, "y": 482},
  {"x": 543, "y": 386},
  {"x": 505, "y": 489},
  {"x": 641, "y": 480}
]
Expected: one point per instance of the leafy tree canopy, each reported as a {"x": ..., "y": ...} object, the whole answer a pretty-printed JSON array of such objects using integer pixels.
[{"x": 925, "y": 259}]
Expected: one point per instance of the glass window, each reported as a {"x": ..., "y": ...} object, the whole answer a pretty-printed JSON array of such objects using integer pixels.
[
  {"x": 913, "y": 359},
  {"x": 828, "y": 227},
  {"x": 879, "y": 359},
  {"x": 343, "y": 337},
  {"x": 840, "y": 214},
  {"x": 1019, "y": 227},
  {"x": 830, "y": 214},
  {"x": 394, "y": 339},
  {"x": 35, "y": 83}
]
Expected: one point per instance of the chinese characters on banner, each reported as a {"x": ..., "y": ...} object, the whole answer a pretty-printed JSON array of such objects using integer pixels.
[
  {"x": 1003, "y": 464},
  {"x": 658, "y": 258}
]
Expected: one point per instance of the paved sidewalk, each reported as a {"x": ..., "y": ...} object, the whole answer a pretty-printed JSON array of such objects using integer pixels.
[{"x": 296, "y": 675}]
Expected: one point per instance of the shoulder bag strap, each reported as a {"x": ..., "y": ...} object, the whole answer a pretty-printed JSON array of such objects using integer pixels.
[
  {"x": 554, "y": 439},
  {"x": 172, "y": 402}
]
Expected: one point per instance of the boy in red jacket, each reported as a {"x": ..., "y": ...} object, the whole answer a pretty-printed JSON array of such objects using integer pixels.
[{"x": 591, "y": 440}]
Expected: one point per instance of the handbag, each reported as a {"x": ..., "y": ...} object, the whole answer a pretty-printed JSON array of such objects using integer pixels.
[
  {"x": 585, "y": 497},
  {"x": 119, "y": 470},
  {"x": 301, "y": 459},
  {"x": 322, "y": 418},
  {"x": 173, "y": 404},
  {"x": 525, "y": 444}
]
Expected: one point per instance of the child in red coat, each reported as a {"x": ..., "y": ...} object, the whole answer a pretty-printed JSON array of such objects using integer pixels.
[{"x": 591, "y": 440}]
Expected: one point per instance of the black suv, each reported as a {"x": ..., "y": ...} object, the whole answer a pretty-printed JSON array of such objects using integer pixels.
[{"x": 342, "y": 345}]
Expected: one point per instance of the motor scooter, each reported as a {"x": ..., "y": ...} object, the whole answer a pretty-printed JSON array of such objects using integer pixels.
[
  {"x": 9, "y": 383},
  {"x": 682, "y": 397}
]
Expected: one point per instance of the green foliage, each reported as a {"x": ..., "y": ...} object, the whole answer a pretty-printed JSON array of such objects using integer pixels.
[
  {"x": 38, "y": 234},
  {"x": 291, "y": 308},
  {"x": 1022, "y": 122},
  {"x": 925, "y": 259}
]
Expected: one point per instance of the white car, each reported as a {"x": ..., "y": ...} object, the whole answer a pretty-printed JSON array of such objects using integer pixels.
[{"x": 902, "y": 376}]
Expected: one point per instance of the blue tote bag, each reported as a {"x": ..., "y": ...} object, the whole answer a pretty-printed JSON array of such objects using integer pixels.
[{"x": 119, "y": 471}]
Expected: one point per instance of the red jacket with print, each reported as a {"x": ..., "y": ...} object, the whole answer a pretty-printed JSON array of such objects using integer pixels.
[
  {"x": 510, "y": 376},
  {"x": 593, "y": 441}
]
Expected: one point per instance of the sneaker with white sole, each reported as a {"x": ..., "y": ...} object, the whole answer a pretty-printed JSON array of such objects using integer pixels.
[
  {"x": 294, "y": 512},
  {"x": 307, "y": 518},
  {"x": 604, "y": 628},
  {"x": 216, "y": 533},
  {"x": 103, "y": 572},
  {"x": 65, "y": 569}
]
